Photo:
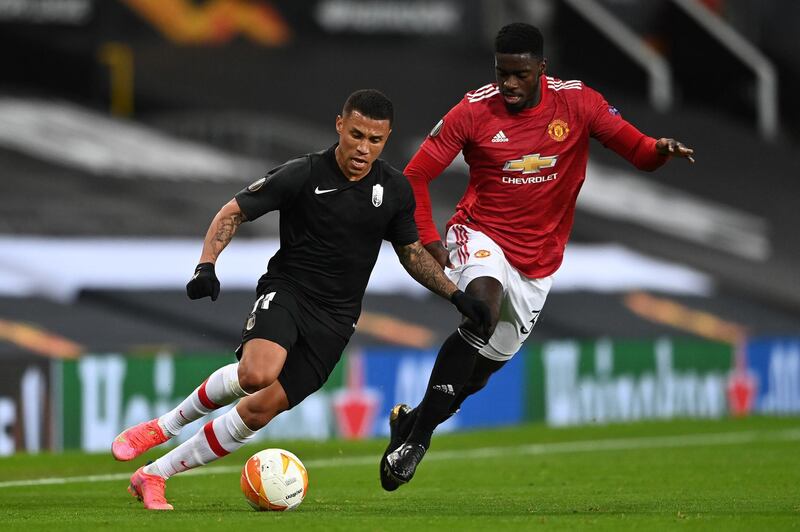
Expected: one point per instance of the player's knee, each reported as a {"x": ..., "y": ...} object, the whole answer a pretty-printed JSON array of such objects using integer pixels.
[
  {"x": 257, "y": 416},
  {"x": 258, "y": 410},
  {"x": 473, "y": 328},
  {"x": 490, "y": 291},
  {"x": 254, "y": 420},
  {"x": 260, "y": 365},
  {"x": 253, "y": 377}
]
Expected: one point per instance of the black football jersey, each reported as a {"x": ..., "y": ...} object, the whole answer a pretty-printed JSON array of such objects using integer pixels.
[{"x": 331, "y": 229}]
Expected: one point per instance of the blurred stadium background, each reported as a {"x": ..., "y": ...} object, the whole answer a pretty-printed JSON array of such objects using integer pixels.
[{"x": 126, "y": 124}]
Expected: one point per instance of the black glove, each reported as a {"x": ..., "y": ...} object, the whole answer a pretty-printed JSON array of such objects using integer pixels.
[
  {"x": 474, "y": 309},
  {"x": 204, "y": 282}
]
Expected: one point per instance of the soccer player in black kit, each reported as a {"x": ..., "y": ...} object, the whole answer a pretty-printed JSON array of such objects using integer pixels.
[{"x": 336, "y": 207}]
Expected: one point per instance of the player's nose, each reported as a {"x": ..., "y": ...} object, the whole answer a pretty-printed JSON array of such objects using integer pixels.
[{"x": 511, "y": 82}]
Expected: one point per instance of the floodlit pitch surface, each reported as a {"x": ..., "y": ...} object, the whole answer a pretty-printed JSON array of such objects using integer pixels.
[{"x": 715, "y": 475}]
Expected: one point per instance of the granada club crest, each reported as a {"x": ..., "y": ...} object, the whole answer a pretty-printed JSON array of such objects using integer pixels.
[
  {"x": 377, "y": 195},
  {"x": 558, "y": 130}
]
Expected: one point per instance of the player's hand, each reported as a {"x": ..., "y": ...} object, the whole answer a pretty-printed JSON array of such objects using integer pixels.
[
  {"x": 674, "y": 148},
  {"x": 439, "y": 253},
  {"x": 474, "y": 309},
  {"x": 203, "y": 283}
]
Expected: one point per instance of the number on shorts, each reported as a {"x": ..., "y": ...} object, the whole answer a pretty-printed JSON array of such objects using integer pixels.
[
  {"x": 535, "y": 318},
  {"x": 263, "y": 301}
]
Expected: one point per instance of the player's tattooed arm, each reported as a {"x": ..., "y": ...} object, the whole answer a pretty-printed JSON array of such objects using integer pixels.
[
  {"x": 424, "y": 269},
  {"x": 221, "y": 231}
]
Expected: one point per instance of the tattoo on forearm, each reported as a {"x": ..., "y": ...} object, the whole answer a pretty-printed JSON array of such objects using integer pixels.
[
  {"x": 225, "y": 229},
  {"x": 424, "y": 269}
]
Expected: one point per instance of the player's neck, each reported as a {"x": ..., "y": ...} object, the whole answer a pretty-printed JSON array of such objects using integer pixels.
[{"x": 535, "y": 100}]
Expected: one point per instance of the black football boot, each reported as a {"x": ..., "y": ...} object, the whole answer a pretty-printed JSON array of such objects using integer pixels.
[
  {"x": 402, "y": 463},
  {"x": 396, "y": 437}
]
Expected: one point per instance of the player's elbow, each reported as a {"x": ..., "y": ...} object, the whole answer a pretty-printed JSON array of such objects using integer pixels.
[{"x": 232, "y": 210}]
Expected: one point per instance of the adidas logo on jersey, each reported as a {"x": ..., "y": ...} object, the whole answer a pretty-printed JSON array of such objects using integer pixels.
[
  {"x": 500, "y": 137},
  {"x": 446, "y": 388}
]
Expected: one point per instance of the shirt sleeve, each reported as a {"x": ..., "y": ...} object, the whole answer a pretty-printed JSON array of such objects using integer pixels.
[
  {"x": 275, "y": 190},
  {"x": 604, "y": 119},
  {"x": 637, "y": 148},
  {"x": 402, "y": 230},
  {"x": 421, "y": 170},
  {"x": 449, "y": 136},
  {"x": 607, "y": 125}
]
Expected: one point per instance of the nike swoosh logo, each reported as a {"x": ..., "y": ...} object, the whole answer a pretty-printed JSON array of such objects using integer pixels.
[{"x": 318, "y": 191}]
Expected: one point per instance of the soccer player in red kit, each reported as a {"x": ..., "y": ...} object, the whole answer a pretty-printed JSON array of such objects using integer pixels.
[{"x": 526, "y": 141}]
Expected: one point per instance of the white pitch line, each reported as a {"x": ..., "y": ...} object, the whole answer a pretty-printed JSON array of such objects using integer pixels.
[{"x": 619, "y": 444}]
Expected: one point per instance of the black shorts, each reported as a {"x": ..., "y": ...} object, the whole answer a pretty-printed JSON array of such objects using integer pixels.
[{"x": 313, "y": 348}]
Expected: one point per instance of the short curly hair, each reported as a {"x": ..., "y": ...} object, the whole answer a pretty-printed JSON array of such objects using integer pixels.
[{"x": 519, "y": 38}]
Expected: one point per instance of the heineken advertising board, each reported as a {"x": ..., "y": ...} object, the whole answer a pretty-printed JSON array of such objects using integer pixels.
[
  {"x": 567, "y": 382},
  {"x": 573, "y": 382}
]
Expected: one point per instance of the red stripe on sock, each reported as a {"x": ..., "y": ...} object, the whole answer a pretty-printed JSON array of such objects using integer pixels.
[
  {"x": 212, "y": 440},
  {"x": 203, "y": 396}
]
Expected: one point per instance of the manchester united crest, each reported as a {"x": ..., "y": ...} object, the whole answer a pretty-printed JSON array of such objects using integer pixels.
[
  {"x": 558, "y": 130},
  {"x": 377, "y": 195}
]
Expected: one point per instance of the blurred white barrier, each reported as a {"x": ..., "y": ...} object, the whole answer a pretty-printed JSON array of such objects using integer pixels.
[{"x": 59, "y": 268}]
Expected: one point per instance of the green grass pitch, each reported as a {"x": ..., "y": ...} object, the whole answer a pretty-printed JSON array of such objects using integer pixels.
[{"x": 737, "y": 474}]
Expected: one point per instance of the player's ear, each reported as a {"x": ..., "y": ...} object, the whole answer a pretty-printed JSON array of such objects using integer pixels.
[
  {"x": 339, "y": 124},
  {"x": 543, "y": 66}
]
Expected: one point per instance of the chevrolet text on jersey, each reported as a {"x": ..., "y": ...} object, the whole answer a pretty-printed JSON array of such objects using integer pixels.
[{"x": 530, "y": 180}]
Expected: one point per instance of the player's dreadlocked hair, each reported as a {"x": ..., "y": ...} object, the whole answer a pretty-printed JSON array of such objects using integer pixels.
[
  {"x": 519, "y": 38},
  {"x": 370, "y": 103}
]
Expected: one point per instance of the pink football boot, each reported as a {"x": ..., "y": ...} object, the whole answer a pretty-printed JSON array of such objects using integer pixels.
[
  {"x": 138, "y": 439},
  {"x": 150, "y": 490}
]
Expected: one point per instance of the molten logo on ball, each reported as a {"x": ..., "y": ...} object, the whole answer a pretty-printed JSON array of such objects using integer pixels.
[{"x": 274, "y": 479}]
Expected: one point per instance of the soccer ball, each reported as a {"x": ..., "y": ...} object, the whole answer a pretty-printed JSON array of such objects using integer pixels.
[{"x": 274, "y": 479}]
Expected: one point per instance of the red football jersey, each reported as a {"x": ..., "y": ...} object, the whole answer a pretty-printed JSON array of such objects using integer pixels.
[{"x": 525, "y": 169}]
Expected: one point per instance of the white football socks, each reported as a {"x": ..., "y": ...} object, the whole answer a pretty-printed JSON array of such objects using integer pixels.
[
  {"x": 217, "y": 438},
  {"x": 218, "y": 390}
]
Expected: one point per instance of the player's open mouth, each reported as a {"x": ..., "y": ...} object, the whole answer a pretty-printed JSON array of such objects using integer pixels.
[
  {"x": 358, "y": 163},
  {"x": 512, "y": 99}
]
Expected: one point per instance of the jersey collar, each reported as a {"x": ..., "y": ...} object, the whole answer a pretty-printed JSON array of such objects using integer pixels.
[{"x": 341, "y": 179}]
